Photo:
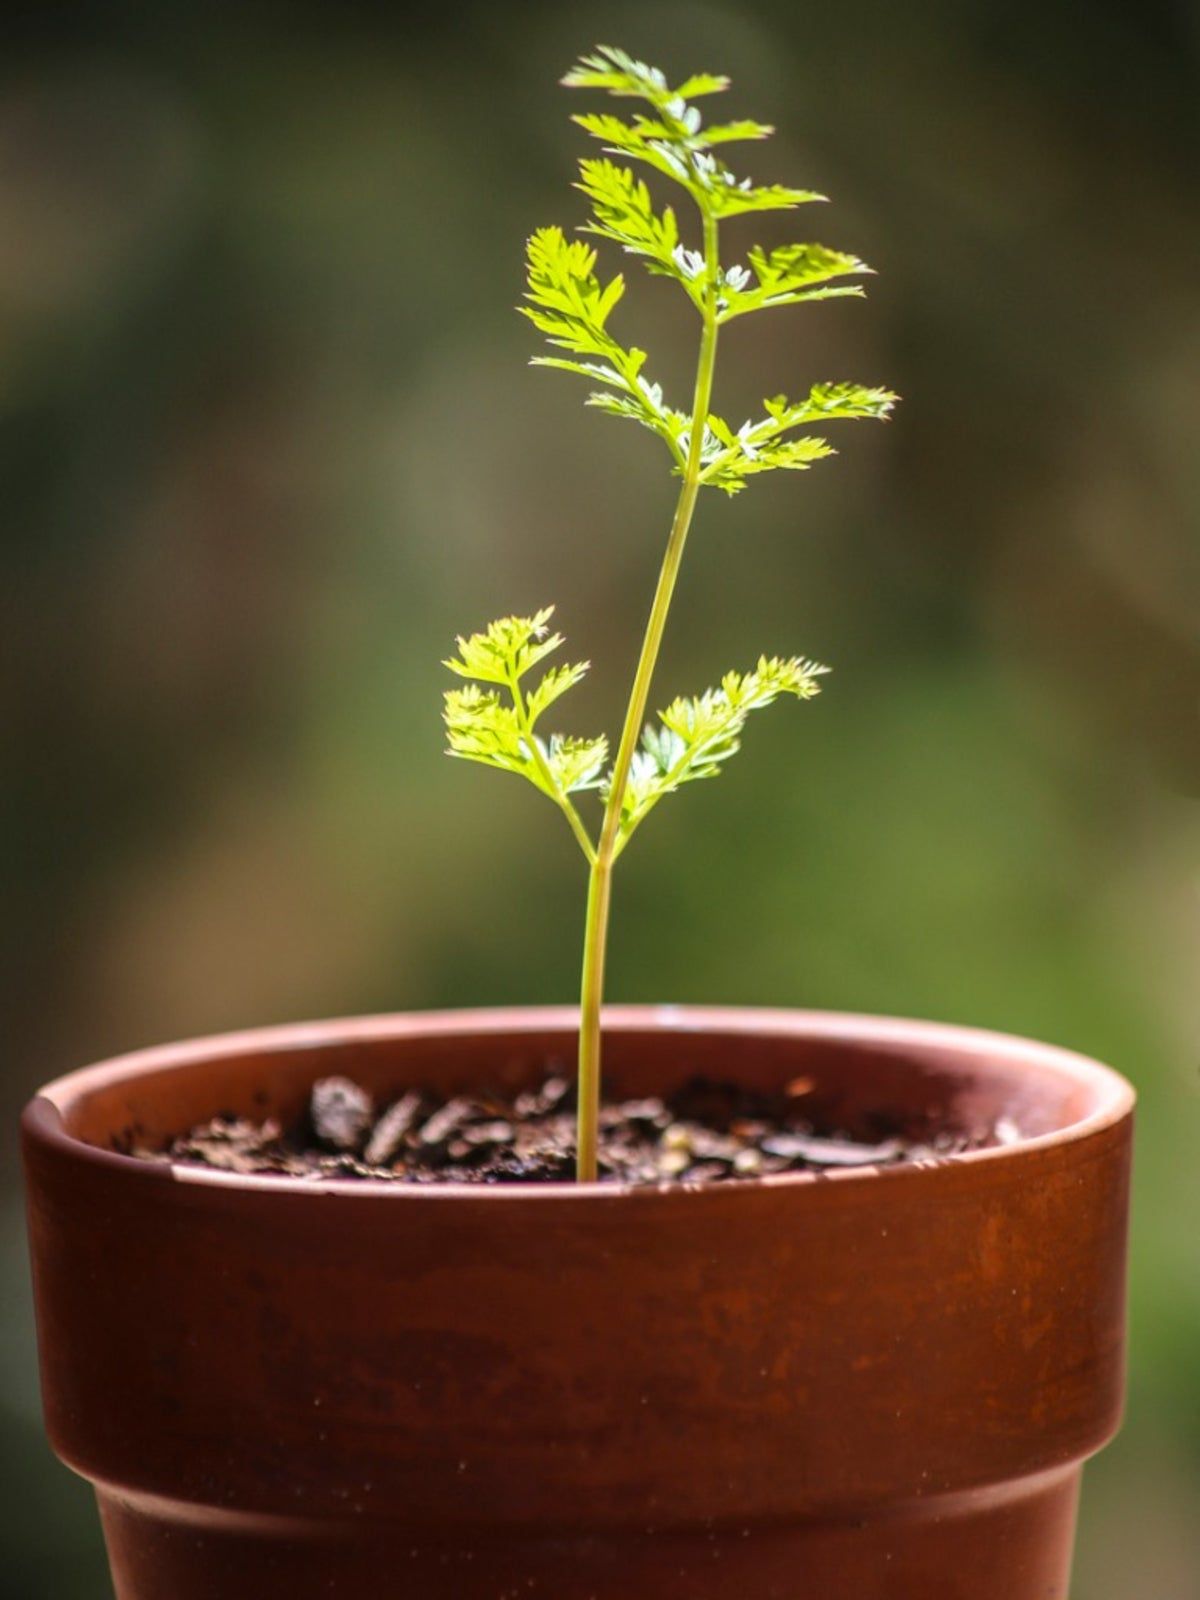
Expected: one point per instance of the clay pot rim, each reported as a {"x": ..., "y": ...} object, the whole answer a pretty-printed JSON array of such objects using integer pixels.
[{"x": 44, "y": 1120}]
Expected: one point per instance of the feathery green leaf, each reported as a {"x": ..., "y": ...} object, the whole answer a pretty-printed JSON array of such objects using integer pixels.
[
  {"x": 621, "y": 74},
  {"x": 727, "y": 196},
  {"x": 483, "y": 726},
  {"x": 552, "y": 686},
  {"x": 828, "y": 402},
  {"x": 570, "y": 306},
  {"x": 728, "y": 132},
  {"x": 730, "y": 458},
  {"x": 623, "y": 211},
  {"x": 567, "y": 302},
  {"x": 576, "y": 763},
  {"x": 506, "y": 649},
  {"x": 787, "y": 275},
  {"x": 696, "y": 736}
]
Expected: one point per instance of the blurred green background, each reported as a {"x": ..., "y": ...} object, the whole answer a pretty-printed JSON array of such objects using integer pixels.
[{"x": 269, "y": 441}]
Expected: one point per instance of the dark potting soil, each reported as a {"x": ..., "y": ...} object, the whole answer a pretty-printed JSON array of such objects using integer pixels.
[{"x": 704, "y": 1132}]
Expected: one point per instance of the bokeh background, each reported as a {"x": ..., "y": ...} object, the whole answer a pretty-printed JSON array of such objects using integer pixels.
[{"x": 269, "y": 440}]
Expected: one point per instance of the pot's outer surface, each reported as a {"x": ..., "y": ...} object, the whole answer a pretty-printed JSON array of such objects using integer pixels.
[{"x": 878, "y": 1385}]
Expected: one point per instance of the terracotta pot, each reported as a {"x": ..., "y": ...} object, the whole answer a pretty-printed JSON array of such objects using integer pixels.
[{"x": 876, "y": 1385}]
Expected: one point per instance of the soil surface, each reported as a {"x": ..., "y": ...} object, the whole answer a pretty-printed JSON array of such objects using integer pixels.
[{"x": 705, "y": 1132}]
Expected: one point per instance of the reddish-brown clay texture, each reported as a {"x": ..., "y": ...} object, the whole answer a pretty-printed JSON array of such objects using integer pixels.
[{"x": 878, "y": 1385}]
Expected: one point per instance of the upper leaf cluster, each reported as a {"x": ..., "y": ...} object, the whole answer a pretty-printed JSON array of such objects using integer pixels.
[
  {"x": 672, "y": 138},
  {"x": 568, "y": 302}
]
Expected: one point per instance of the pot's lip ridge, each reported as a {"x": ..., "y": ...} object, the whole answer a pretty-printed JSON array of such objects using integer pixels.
[{"x": 43, "y": 1121}]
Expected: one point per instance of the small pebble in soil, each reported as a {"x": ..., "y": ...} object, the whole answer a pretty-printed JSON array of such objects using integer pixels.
[
  {"x": 444, "y": 1122},
  {"x": 341, "y": 1113},
  {"x": 831, "y": 1152},
  {"x": 704, "y": 1132},
  {"x": 389, "y": 1131}
]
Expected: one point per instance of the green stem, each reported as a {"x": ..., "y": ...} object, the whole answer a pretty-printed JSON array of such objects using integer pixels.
[
  {"x": 600, "y": 876},
  {"x": 595, "y": 940}
]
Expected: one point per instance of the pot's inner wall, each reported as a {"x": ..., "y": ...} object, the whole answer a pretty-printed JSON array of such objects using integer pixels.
[{"x": 923, "y": 1082}]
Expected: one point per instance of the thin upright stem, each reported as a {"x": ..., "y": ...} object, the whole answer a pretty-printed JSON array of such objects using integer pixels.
[
  {"x": 600, "y": 875},
  {"x": 595, "y": 941}
]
